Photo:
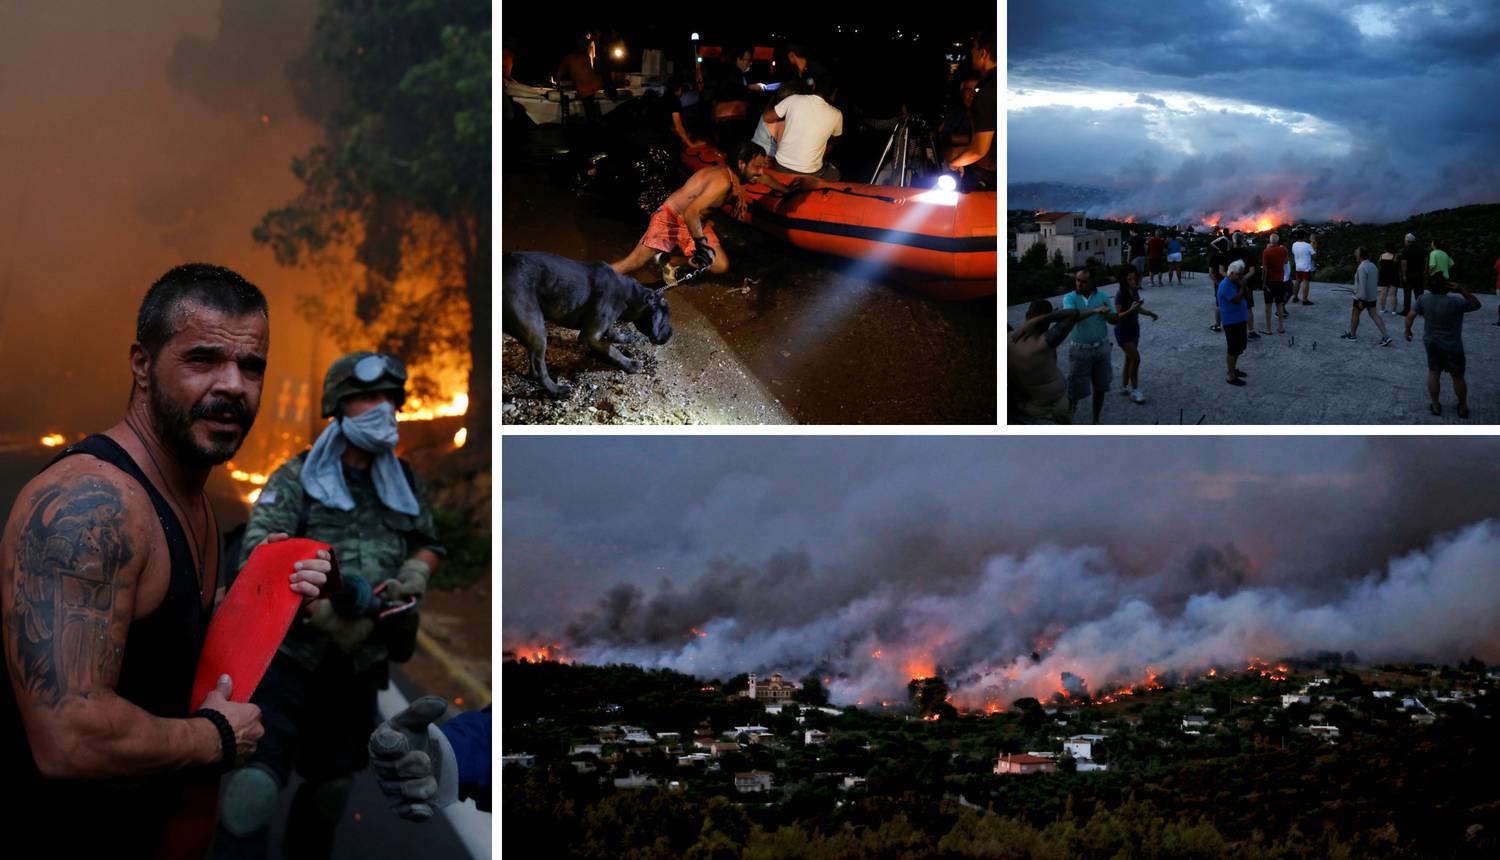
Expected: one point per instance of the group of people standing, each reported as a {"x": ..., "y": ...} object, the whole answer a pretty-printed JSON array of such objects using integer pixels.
[{"x": 1238, "y": 272}]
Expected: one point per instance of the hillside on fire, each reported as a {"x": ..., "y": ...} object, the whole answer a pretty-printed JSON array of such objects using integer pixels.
[
  {"x": 1322, "y": 756},
  {"x": 1471, "y": 234}
]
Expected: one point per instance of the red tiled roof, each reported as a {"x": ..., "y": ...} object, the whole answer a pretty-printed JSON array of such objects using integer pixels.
[
  {"x": 1052, "y": 216},
  {"x": 1027, "y": 759}
]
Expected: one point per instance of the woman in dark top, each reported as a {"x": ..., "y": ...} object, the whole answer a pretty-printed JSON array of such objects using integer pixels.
[
  {"x": 1128, "y": 331},
  {"x": 1390, "y": 277}
]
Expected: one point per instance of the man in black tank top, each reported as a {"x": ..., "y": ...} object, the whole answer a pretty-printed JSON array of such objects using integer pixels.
[{"x": 108, "y": 572}]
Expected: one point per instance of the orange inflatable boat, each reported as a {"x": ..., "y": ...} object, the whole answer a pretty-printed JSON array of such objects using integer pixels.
[{"x": 942, "y": 243}]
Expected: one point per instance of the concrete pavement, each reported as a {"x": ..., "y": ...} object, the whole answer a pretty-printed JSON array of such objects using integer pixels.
[{"x": 1307, "y": 376}]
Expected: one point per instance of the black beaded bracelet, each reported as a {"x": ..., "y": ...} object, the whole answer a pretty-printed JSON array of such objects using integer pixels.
[{"x": 226, "y": 734}]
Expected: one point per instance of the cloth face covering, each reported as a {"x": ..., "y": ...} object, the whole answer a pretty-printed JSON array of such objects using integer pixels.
[{"x": 374, "y": 431}]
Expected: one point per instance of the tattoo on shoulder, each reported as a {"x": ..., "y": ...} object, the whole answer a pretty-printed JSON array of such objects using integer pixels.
[{"x": 71, "y": 549}]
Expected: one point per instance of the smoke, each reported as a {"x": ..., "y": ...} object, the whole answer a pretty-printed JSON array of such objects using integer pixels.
[
  {"x": 1001, "y": 564},
  {"x": 137, "y": 137},
  {"x": 1106, "y": 629},
  {"x": 1244, "y": 187}
]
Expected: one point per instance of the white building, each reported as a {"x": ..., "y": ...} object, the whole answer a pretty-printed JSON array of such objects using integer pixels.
[
  {"x": 522, "y": 759},
  {"x": 1079, "y": 749},
  {"x": 814, "y": 738},
  {"x": 635, "y": 780},
  {"x": 1290, "y": 699},
  {"x": 1069, "y": 233},
  {"x": 1194, "y": 723},
  {"x": 752, "y": 781}
]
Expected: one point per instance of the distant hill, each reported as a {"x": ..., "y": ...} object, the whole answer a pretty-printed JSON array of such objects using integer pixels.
[
  {"x": 1471, "y": 232},
  {"x": 1055, "y": 196}
]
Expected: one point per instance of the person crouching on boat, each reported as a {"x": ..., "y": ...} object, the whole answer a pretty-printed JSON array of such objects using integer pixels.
[{"x": 679, "y": 233}]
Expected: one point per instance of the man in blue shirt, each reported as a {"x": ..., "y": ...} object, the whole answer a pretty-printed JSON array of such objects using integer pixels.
[
  {"x": 1234, "y": 314},
  {"x": 1089, "y": 367}
]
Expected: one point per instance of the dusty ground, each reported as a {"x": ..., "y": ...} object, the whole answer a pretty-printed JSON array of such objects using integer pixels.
[
  {"x": 805, "y": 340},
  {"x": 1307, "y": 376},
  {"x": 693, "y": 379}
]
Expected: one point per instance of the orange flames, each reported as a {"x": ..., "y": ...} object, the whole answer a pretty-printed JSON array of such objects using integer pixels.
[
  {"x": 877, "y": 654},
  {"x": 919, "y": 669},
  {"x": 1260, "y": 222},
  {"x": 1266, "y": 670},
  {"x": 699, "y": 633},
  {"x": 52, "y": 440},
  {"x": 539, "y": 653}
]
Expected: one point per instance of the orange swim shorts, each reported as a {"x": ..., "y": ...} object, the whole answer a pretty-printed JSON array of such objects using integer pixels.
[{"x": 668, "y": 232}]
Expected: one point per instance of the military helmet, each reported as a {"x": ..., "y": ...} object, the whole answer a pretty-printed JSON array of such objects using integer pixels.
[{"x": 359, "y": 372}]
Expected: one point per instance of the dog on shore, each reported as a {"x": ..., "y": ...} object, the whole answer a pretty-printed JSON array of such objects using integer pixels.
[{"x": 538, "y": 288}]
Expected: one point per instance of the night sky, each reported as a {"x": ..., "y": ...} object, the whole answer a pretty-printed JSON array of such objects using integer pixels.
[{"x": 1367, "y": 111}]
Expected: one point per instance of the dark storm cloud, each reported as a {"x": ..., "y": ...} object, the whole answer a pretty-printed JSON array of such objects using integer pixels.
[
  {"x": 811, "y": 554},
  {"x": 1402, "y": 89}
]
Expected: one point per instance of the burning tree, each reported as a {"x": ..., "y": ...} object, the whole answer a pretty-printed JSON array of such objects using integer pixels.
[
  {"x": 930, "y": 695},
  {"x": 395, "y": 206}
]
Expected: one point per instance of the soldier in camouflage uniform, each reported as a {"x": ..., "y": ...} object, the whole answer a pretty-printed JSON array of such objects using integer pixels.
[{"x": 318, "y": 697}]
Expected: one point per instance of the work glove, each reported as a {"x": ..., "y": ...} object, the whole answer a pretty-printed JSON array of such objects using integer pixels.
[
  {"x": 347, "y": 634},
  {"x": 413, "y": 761},
  {"x": 703, "y": 255},
  {"x": 411, "y": 580}
]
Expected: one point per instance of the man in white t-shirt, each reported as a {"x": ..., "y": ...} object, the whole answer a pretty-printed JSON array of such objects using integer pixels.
[
  {"x": 812, "y": 125},
  {"x": 1302, "y": 256}
]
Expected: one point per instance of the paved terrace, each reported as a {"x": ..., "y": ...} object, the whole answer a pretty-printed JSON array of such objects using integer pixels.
[{"x": 1306, "y": 376}]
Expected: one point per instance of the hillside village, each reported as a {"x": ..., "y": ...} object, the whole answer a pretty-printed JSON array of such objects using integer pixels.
[{"x": 798, "y": 744}]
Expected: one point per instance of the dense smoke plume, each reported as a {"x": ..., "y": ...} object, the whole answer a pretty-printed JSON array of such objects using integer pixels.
[
  {"x": 1012, "y": 567},
  {"x": 137, "y": 137}
]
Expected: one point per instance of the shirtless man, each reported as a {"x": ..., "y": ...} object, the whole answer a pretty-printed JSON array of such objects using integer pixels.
[
  {"x": 679, "y": 231},
  {"x": 109, "y": 567},
  {"x": 1032, "y": 354}
]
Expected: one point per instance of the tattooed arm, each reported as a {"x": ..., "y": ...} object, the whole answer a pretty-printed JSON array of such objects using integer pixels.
[{"x": 71, "y": 558}]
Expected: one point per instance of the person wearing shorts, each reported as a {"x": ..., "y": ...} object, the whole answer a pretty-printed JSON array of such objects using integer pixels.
[
  {"x": 1274, "y": 259},
  {"x": 1442, "y": 334},
  {"x": 1302, "y": 255},
  {"x": 1174, "y": 259},
  {"x": 1137, "y": 244},
  {"x": 1413, "y": 272},
  {"x": 1366, "y": 280},
  {"x": 1128, "y": 310},
  {"x": 1390, "y": 278},
  {"x": 1089, "y": 367},
  {"x": 1156, "y": 257},
  {"x": 1236, "y": 320}
]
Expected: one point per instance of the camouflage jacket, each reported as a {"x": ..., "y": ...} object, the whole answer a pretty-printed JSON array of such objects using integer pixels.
[{"x": 370, "y": 543}]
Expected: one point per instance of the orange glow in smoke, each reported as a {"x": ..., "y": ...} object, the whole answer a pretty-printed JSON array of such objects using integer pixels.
[
  {"x": 539, "y": 653},
  {"x": 877, "y": 654},
  {"x": 699, "y": 633}
]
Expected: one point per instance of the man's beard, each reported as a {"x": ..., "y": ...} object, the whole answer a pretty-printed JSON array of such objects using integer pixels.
[{"x": 174, "y": 425}]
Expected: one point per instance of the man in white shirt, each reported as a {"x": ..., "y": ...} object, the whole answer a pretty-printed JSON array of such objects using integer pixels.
[
  {"x": 812, "y": 125},
  {"x": 1302, "y": 255}
]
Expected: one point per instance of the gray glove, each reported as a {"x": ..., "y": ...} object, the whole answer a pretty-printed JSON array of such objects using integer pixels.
[{"x": 413, "y": 760}]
